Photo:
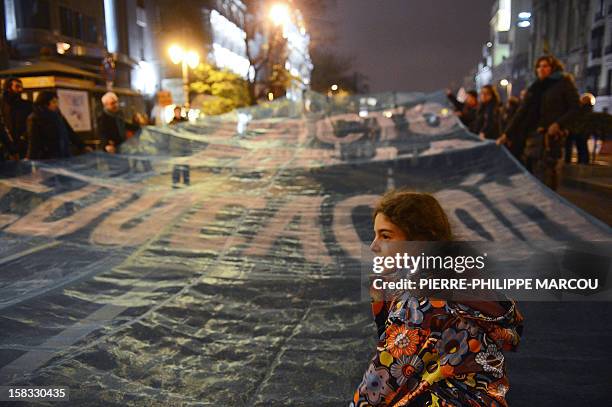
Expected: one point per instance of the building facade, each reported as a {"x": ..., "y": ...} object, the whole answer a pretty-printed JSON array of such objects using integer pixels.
[
  {"x": 599, "y": 69},
  {"x": 523, "y": 30},
  {"x": 66, "y": 46},
  {"x": 505, "y": 57},
  {"x": 562, "y": 28}
]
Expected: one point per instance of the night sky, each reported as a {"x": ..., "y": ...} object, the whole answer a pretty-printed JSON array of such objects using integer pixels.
[{"x": 411, "y": 45}]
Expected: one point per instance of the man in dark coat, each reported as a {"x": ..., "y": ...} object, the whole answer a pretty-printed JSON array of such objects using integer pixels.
[
  {"x": 536, "y": 129},
  {"x": 466, "y": 110},
  {"x": 587, "y": 101},
  {"x": 111, "y": 125},
  {"x": 4, "y": 142},
  {"x": 15, "y": 112},
  {"x": 49, "y": 133}
]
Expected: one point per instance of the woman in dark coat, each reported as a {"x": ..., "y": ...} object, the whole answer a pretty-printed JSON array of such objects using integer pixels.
[
  {"x": 551, "y": 102},
  {"x": 488, "y": 117},
  {"x": 50, "y": 134}
]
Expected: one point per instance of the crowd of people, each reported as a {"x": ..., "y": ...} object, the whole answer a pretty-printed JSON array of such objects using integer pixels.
[
  {"x": 534, "y": 127},
  {"x": 38, "y": 130}
]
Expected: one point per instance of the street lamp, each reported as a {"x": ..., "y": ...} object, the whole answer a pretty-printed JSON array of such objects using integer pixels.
[
  {"x": 279, "y": 14},
  {"x": 187, "y": 59},
  {"x": 334, "y": 87}
]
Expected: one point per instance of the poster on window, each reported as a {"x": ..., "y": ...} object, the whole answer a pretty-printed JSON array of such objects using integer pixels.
[{"x": 74, "y": 105}]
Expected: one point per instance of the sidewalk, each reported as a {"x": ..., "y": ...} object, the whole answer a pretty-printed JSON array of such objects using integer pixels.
[{"x": 589, "y": 186}]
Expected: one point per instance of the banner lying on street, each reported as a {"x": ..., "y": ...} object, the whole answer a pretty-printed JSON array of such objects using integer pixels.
[{"x": 202, "y": 241}]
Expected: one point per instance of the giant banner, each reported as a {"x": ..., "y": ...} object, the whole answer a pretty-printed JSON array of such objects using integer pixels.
[{"x": 218, "y": 262}]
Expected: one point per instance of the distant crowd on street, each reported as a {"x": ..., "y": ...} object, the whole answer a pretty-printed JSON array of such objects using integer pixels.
[
  {"x": 39, "y": 131},
  {"x": 535, "y": 127}
]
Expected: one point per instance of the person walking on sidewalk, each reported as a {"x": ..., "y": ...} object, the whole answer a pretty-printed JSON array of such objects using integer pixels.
[
  {"x": 587, "y": 101},
  {"x": 487, "y": 124},
  {"x": 537, "y": 127}
]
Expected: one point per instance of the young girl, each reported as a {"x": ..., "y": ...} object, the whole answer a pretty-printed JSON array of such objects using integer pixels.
[{"x": 433, "y": 352}]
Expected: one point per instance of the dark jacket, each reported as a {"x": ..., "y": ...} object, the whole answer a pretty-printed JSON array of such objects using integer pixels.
[
  {"x": 15, "y": 112},
  {"x": 112, "y": 127},
  {"x": 488, "y": 120},
  {"x": 553, "y": 100},
  {"x": 4, "y": 145},
  {"x": 5, "y": 142},
  {"x": 468, "y": 114},
  {"x": 508, "y": 112},
  {"x": 50, "y": 135},
  {"x": 177, "y": 121}
]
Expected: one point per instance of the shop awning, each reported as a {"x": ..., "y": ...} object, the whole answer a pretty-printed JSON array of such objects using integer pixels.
[{"x": 48, "y": 67}]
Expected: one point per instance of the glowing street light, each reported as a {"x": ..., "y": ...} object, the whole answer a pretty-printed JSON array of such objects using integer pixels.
[
  {"x": 193, "y": 59},
  {"x": 524, "y": 19},
  {"x": 504, "y": 82},
  {"x": 187, "y": 59},
  {"x": 279, "y": 14},
  {"x": 177, "y": 53},
  {"x": 334, "y": 87}
]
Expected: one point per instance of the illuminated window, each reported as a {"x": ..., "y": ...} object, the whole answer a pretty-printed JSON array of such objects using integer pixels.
[{"x": 504, "y": 15}]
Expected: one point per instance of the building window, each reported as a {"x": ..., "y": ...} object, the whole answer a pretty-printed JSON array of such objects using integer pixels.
[
  {"x": 66, "y": 21},
  {"x": 76, "y": 25},
  {"x": 599, "y": 10},
  {"x": 91, "y": 30},
  {"x": 597, "y": 36},
  {"x": 33, "y": 14},
  {"x": 141, "y": 41}
]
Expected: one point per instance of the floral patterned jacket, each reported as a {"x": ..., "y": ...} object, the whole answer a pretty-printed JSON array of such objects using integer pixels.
[{"x": 438, "y": 353}]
